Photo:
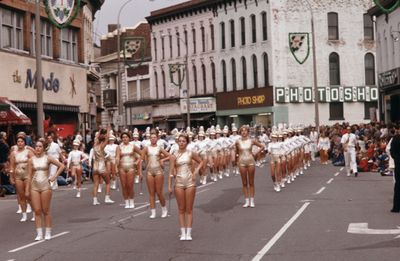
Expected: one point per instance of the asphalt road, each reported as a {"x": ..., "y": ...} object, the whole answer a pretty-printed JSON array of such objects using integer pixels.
[{"x": 308, "y": 220}]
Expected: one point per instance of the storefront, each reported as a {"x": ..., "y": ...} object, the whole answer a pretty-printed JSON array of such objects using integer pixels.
[
  {"x": 389, "y": 87},
  {"x": 202, "y": 111},
  {"x": 64, "y": 90},
  {"x": 167, "y": 116},
  {"x": 253, "y": 106},
  {"x": 139, "y": 117}
]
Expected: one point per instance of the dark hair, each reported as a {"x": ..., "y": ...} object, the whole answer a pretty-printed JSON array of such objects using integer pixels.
[
  {"x": 125, "y": 133},
  {"x": 185, "y": 136},
  {"x": 21, "y": 138}
]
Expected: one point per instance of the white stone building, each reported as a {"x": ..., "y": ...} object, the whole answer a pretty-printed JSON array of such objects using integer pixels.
[{"x": 388, "y": 62}]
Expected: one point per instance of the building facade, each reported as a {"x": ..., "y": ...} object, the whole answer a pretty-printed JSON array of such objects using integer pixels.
[
  {"x": 64, "y": 65},
  {"x": 388, "y": 62}
]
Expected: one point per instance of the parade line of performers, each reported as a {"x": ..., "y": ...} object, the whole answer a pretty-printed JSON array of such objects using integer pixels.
[{"x": 206, "y": 156}]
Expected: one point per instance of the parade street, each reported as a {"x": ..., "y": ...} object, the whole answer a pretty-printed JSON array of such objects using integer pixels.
[{"x": 309, "y": 220}]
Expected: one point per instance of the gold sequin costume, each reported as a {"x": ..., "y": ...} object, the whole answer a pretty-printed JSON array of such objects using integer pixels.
[
  {"x": 127, "y": 157},
  {"x": 99, "y": 165},
  {"x": 153, "y": 158},
  {"x": 40, "y": 179},
  {"x": 21, "y": 165},
  {"x": 246, "y": 158},
  {"x": 184, "y": 174}
]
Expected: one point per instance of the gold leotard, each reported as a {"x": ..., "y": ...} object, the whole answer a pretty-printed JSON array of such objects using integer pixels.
[
  {"x": 127, "y": 157},
  {"x": 99, "y": 165},
  {"x": 21, "y": 165},
  {"x": 40, "y": 179},
  {"x": 184, "y": 175},
  {"x": 153, "y": 158},
  {"x": 246, "y": 158}
]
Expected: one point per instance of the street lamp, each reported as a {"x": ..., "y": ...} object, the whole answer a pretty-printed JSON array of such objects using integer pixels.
[
  {"x": 120, "y": 108},
  {"x": 187, "y": 78},
  {"x": 316, "y": 98}
]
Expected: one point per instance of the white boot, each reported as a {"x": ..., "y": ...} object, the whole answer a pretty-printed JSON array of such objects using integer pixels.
[
  {"x": 226, "y": 173},
  {"x": 136, "y": 179},
  {"x": 252, "y": 203},
  {"x": 182, "y": 237},
  {"x": 28, "y": 208},
  {"x": 127, "y": 203},
  {"x": 78, "y": 194},
  {"x": 39, "y": 234},
  {"x": 246, "y": 203},
  {"x": 95, "y": 201},
  {"x": 99, "y": 189},
  {"x": 189, "y": 234},
  {"x": 47, "y": 235},
  {"x": 19, "y": 211},
  {"x": 113, "y": 184},
  {"x": 153, "y": 213},
  {"x": 33, "y": 217},
  {"x": 282, "y": 184},
  {"x": 277, "y": 187},
  {"x": 164, "y": 212},
  {"x": 108, "y": 200},
  {"x": 220, "y": 175},
  {"x": 131, "y": 203},
  {"x": 24, "y": 217}
]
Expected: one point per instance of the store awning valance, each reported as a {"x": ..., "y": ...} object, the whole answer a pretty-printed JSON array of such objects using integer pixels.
[
  {"x": 11, "y": 114},
  {"x": 47, "y": 107}
]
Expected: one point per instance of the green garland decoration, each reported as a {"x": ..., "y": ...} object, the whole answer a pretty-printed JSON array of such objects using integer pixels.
[
  {"x": 387, "y": 10},
  {"x": 69, "y": 21},
  {"x": 134, "y": 63},
  {"x": 171, "y": 72}
]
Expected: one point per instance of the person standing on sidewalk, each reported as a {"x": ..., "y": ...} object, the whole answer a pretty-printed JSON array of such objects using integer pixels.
[{"x": 395, "y": 154}]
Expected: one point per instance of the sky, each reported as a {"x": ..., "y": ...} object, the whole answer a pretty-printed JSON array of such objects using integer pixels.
[{"x": 131, "y": 14}]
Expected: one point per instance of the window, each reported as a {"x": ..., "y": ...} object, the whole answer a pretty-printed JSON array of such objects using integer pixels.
[
  {"x": 156, "y": 84},
  {"x": 46, "y": 38},
  {"x": 368, "y": 106},
  {"x": 203, "y": 72},
  {"x": 224, "y": 84},
  {"x": 11, "y": 29},
  {"x": 164, "y": 84},
  {"x": 194, "y": 40},
  {"x": 233, "y": 66},
  {"x": 212, "y": 37},
  {"x": 243, "y": 30},
  {"x": 368, "y": 28},
  {"x": 170, "y": 46},
  {"x": 334, "y": 69},
  {"x": 162, "y": 48},
  {"x": 253, "y": 28},
  {"x": 203, "y": 39},
  {"x": 223, "y": 35},
  {"x": 266, "y": 70},
  {"x": 214, "y": 83},
  {"x": 369, "y": 61},
  {"x": 255, "y": 72},
  {"x": 336, "y": 111},
  {"x": 264, "y": 26},
  {"x": 155, "y": 48},
  {"x": 178, "y": 43},
  {"x": 186, "y": 38},
  {"x": 333, "y": 26},
  {"x": 244, "y": 72},
  {"x": 69, "y": 48},
  {"x": 232, "y": 28},
  {"x": 195, "y": 79}
]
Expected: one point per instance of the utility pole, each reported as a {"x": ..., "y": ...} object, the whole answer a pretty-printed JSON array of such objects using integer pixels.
[{"x": 38, "y": 81}]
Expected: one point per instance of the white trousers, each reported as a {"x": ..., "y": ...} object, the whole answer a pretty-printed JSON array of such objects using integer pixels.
[
  {"x": 52, "y": 172},
  {"x": 350, "y": 160},
  {"x": 313, "y": 148}
]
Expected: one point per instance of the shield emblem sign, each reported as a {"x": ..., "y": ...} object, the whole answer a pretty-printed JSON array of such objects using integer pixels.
[
  {"x": 132, "y": 46},
  {"x": 62, "y": 12},
  {"x": 299, "y": 45}
]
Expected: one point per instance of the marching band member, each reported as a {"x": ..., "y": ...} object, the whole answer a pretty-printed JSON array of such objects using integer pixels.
[
  {"x": 185, "y": 184},
  {"x": 227, "y": 145},
  {"x": 234, "y": 138},
  {"x": 127, "y": 160},
  {"x": 154, "y": 156},
  {"x": 40, "y": 188},
  {"x": 74, "y": 165},
  {"x": 146, "y": 141},
  {"x": 110, "y": 150},
  {"x": 323, "y": 146},
  {"x": 275, "y": 152},
  {"x": 213, "y": 155},
  {"x": 138, "y": 144},
  {"x": 246, "y": 164},
  {"x": 202, "y": 148},
  {"x": 349, "y": 143},
  {"x": 314, "y": 139},
  {"x": 220, "y": 151}
]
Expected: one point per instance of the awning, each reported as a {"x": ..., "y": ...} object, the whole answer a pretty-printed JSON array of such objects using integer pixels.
[
  {"x": 47, "y": 107},
  {"x": 12, "y": 115}
]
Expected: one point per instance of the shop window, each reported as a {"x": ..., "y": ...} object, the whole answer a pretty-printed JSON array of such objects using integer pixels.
[
  {"x": 233, "y": 65},
  {"x": 244, "y": 73},
  {"x": 224, "y": 83},
  {"x": 333, "y": 26},
  {"x": 212, "y": 37},
  {"x": 223, "y": 35},
  {"x": 253, "y": 28},
  {"x": 69, "y": 47},
  {"x": 255, "y": 71},
  {"x": 11, "y": 29},
  {"x": 334, "y": 69},
  {"x": 368, "y": 27},
  {"x": 336, "y": 111},
  {"x": 369, "y": 61},
  {"x": 243, "y": 30},
  {"x": 232, "y": 28},
  {"x": 367, "y": 108},
  {"x": 203, "y": 72},
  {"x": 46, "y": 38},
  {"x": 203, "y": 39},
  {"x": 266, "y": 70},
  {"x": 264, "y": 26},
  {"x": 214, "y": 83}
]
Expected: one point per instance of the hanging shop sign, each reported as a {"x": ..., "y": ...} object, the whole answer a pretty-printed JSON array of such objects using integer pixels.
[
  {"x": 299, "y": 45},
  {"x": 389, "y": 79},
  {"x": 133, "y": 50},
  {"x": 326, "y": 94},
  {"x": 259, "y": 97},
  {"x": 50, "y": 84},
  {"x": 199, "y": 105},
  {"x": 62, "y": 12}
]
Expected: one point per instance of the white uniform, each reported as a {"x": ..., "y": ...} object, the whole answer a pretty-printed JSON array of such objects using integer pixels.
[
  {"x": 314, "y": 140},
  {"x": 349, "y": 140},
  {"x": 137, "y": 143},
  {"x": 146, "y": 143},
  {"x": 54, "y": 151},
  {"x": 324, "y": 143},
  {"x": 111, "y": 151},
  {"x": 163, "y": 144},
  {"x": 75, "y": 157}
]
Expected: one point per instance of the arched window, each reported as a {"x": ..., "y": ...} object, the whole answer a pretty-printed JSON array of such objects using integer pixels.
[
  {"x": 264, "y": 26},
  {"x": 203, "y": 39},
  {"x": 255, "y": 70},
  {"x": 164, "y": 84},
  {"x": 232, "y": 28},
  {"x": 266, "y": 69},
  {"x": 242, "y": 31},
  {"x": 194, "y": 39},
  {"x": 195, "y": 79},
  {"x": 156, "y": 84},
  {"x": 244, "y": 73},
  {"x": 253, "y": 28},
  {"x": 214, "y": 83},
  {"x": 223, "y": 35},
  {"x": 224, "y": 84},
  {"x": 233, "y": 67},
  {"x": 369, "y": 61},
  {"x": 333, "y": 26},
  {"x": 203, "y": 71},
  {"x": 334, "y": 69}
]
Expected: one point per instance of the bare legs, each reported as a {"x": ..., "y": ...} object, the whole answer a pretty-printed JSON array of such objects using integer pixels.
[
  {"x": 185, "y": 200},
  {"x": 247, "y": 175},
  {"x": 41, "y": 206}
]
